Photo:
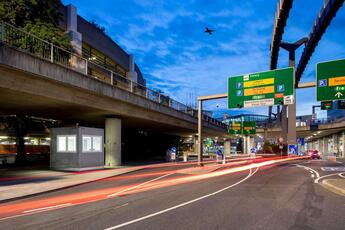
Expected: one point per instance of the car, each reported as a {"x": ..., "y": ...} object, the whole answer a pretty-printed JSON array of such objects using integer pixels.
[{"x": 314, "y": 154}]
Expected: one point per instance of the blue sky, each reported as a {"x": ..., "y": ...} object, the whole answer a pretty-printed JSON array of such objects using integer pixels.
[{"x": 176, "y": 56}]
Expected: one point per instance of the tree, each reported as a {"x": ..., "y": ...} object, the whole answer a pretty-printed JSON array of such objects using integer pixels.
[{"x": 38, "y": 17}]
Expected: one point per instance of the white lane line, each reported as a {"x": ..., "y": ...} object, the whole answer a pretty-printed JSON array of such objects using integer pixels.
[
  {"x": 328, "y": 175},
  {"x": 181, "y": 205},
  {"x": 137, "y": 186},
  {"x": 47, "y": 208},
  {"x": 120, "y": 206},
  {"x": 341, "y": 175},
  {"x": 310, "y": 169}
]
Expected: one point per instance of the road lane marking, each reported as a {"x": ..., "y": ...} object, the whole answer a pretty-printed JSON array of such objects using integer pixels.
[
  {"x": 47, "y": 208},
  {"x": 120, "y": 206},
  {"x": 183, "y": 204},
  {"x": 310, "y": 169},
  {"x": 137, "y": 186},
  {"x": 328, "y": 175}
]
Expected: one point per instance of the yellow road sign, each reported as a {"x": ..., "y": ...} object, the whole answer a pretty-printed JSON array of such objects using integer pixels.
[
  {"x": 259, "y": 90},
  {"x": 336, "y": 81},
  {"x": 261, "y": 82}
]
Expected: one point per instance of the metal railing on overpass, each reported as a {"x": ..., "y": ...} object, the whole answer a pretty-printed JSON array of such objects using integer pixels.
[{"x": 29, "y": 43}]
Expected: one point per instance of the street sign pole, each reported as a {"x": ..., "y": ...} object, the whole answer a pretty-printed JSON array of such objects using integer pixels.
[
  {"x": 291, "y": 134},
  {"x": 291, "y": 123},
  {"x": 200, "y": 141}
]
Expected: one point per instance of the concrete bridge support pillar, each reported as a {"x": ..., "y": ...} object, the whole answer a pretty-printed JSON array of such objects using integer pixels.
[
  {"x": 335, "y": 145},
  {"x": 320, "y": 145},
  {"x": 196, "y": 144},
  {"x": 324, "y": 149},
  {"x": 227, "y": 147},
  {"x": 112, "y": 142}
]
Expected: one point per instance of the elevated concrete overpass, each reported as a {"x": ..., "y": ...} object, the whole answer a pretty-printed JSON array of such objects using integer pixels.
[
  {"x": 306, "y": 131},
  {"x": 33, "y": 86}
]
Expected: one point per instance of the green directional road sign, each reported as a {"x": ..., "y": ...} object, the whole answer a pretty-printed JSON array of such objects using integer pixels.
[
  {"x": 261, "y": 89},
  {"x": 330, "y": 79},
  {"x": 244, "y": 127},
  {"x": 235, "y": 127},
  {"x": 249, "y": 127},
  {"x": 326, "y": 105}
]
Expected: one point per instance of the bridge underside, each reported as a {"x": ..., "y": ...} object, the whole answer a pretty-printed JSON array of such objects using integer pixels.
[{"x": 24, "y": 104}]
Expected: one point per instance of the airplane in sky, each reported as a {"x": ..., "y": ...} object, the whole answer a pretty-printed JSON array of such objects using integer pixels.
[{"x": 209, "y": 31}]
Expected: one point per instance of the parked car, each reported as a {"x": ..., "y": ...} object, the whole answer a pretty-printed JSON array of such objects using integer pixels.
[{"x": 314, "y": 154}]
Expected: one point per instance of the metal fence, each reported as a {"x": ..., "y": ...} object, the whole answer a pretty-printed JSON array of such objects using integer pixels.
[{"x": 28, "y": 43}]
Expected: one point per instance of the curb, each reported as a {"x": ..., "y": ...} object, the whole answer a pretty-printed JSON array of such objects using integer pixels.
[
  {"x": 326, "y": 184},
  {"x": 62, "y": 188}
]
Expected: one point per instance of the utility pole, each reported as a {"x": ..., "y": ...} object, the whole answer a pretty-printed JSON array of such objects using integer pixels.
[{"x": 289, "y": 126}]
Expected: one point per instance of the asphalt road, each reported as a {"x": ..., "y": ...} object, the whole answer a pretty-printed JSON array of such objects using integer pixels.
[{"x": 280, "y": 196}]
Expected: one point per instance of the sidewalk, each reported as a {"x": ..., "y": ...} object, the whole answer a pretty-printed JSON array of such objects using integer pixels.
[
  {"x": 335, "y": 185},
  {"x": 25, "y": 183}
]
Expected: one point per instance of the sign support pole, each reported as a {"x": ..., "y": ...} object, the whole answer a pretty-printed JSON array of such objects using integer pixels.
[
  {"x": 200, "y": 140},
  {"x": 291, "y": 131},
  {"x": 291, "y": 134}
]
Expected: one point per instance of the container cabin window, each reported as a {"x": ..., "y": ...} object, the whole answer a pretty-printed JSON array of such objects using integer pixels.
[
  {"x": 66, "y": 143},
  {"x": 92, "y": 143}
]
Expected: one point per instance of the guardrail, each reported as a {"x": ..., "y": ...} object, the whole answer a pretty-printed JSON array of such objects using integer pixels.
[{"x": 29, "y": 43}]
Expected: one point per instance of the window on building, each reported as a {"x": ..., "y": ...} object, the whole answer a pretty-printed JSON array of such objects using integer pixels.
[
  {"x": 101, "y": 59},
  {"x": 92, "y": 143},
  {"x": 66, "y": 143}
]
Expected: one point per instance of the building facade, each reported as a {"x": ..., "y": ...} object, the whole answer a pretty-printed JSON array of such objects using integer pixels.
[{"x": 90, "y": 41}]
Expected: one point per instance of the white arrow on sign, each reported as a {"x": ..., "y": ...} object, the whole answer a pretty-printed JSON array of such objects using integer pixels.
[{"x": 338, "y": 94}]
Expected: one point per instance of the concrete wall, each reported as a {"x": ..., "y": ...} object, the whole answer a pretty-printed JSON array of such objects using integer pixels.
[{"x": 102, "y": 42}]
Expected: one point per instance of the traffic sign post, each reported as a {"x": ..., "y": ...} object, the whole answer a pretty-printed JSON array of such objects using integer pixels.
[
  {"x": 249, "y": 127},
  {"x": 292, "y": 150},
  {"x": 268, "y": 88},
  {"x": 244, "y": 127},
  {"x": 235, "y": 127},
  {"x": 326, "y": 105},
  {"x": 330, "y": 80}
]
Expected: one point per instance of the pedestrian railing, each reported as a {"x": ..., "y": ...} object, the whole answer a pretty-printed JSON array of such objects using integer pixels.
[{"x": 29, "y": 43}]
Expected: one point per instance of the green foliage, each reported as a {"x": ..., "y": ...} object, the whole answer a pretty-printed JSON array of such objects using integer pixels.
[
  {"x": 50, "y": 33},
  {"x": 100, "y": 28},
  {"x": 19, "y": 12},
  {"x": 38, "y": 17}
]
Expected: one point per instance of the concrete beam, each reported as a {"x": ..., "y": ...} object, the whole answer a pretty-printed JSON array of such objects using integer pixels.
[
  {"x": 213, "y": 97},
  {"x": 303, "y": 85}
]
